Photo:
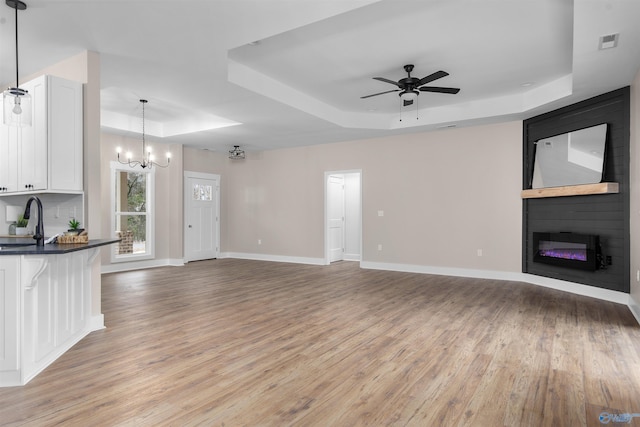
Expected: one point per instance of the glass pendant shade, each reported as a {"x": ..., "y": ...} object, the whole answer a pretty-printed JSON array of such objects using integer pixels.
[{"x": 17, "y": 107}]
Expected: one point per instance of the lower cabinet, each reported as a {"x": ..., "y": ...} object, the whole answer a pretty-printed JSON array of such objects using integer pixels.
[
  {"x": 9, "y": 310},
  {"x": 51, "y": 311}
]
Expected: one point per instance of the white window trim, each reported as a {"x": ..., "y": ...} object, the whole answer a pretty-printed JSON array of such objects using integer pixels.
[{"x": 151, "y": 207}]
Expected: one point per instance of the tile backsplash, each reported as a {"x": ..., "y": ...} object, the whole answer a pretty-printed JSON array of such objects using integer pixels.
[{"x": 57, "y": 208}]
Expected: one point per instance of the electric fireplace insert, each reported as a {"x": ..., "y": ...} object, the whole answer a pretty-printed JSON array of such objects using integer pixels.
[{"x": 581, "y": 251}]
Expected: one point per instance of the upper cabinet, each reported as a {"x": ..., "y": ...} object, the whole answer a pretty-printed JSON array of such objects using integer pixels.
[
  {"x": 8, "y": 161},
  {"x": 47, "y": 156}
]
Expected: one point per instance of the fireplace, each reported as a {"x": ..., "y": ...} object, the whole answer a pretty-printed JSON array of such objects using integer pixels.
[{"x": 581, "y": 251}]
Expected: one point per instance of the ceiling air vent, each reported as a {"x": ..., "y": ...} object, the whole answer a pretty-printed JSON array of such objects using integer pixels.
[{"x": 609, "y": 41}]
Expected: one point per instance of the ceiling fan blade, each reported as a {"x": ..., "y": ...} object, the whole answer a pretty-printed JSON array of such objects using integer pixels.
[
  {"x": 431, "y": 77},
  {"x": 451, "y": 90},
  {"x": 382, "y": 79},
  {"x": 381, "y": 93}
]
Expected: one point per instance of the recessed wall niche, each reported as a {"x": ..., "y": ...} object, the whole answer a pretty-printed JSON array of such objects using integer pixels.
[{"x": 603, "y": 215}]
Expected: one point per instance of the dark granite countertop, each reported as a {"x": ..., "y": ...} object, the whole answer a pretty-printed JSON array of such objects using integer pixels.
[{"x": 50, "y": 249}]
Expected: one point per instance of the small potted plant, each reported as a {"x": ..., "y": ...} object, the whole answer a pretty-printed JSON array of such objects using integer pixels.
[
  {"x": 74, "y": 228},
  {"x": 21, "y": 226}
]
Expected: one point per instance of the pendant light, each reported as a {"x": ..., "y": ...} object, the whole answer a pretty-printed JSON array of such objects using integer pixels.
[
  {"x": 16, "y": 101},
  {"x": 148, "y": 160}
]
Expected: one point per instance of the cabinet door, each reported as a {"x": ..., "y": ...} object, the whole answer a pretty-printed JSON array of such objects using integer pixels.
[
  {"x": 32, "y": 146},
  {"x": 8, "y": 159},
  {"x": 9, "y": 314},
  {"x": 65, "y": 135}
]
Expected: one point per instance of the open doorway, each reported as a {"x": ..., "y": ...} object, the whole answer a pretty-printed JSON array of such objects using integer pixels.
[{"x": 343, "y": 216}]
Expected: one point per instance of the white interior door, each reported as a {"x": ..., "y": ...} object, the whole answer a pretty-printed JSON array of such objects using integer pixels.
[
  {"x": 202, "y": 216},
  {"x": 335, "y": 217}
]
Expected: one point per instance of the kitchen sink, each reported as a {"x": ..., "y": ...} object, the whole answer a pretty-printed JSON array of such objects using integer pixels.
[{"x": 15, "y": 245}]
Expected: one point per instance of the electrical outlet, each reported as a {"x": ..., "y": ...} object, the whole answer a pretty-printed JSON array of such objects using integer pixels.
[
  {"x": 259, "y": 241},
  {"x": 380, "y": 247},
  {"x": 479, "y": 252}
]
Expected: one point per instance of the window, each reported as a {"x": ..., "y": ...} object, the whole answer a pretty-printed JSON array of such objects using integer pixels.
[
  {"x": 202, "y": 192},
  {"x": 132, "y": 212}
]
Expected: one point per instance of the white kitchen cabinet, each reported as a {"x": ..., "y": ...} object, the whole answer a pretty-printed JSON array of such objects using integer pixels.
[
  {"x": 9, "y": 319},
  {"x": 47, "y": 156},
  {"x": 32, "y": 140},
  {"x": 8, "y": 161},
  {"x": 65, "y": 157},
  {"x": 45, "y": 309},
  {"x": 56, "y": 307}
]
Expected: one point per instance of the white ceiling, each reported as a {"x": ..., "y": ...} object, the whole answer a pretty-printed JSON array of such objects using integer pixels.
[{"x": 283, "y": 73}]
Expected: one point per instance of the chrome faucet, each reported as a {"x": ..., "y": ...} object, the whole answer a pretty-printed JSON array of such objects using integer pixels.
[{"x": 39, "y": 236}]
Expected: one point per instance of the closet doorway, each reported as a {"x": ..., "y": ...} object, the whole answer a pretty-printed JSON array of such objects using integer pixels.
[{"x": 343, "y": 216}]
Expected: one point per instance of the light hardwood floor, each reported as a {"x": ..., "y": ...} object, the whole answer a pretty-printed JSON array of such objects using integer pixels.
[{"x": 249, "y": 343}]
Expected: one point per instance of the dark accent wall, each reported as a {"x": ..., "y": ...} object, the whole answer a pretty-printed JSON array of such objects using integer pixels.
[{"x": 606, "y": 215}]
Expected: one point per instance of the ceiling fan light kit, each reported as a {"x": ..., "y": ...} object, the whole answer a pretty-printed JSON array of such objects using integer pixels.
[
  {"x": 16, "y": 101},
  {"x": 236, "y": 153},
  {"x": 409, "y": 96}
]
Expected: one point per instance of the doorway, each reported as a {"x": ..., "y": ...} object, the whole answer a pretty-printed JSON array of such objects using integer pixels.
[
  {"x": 201, "y": 216},
  {"x": 343, "y": 216}
]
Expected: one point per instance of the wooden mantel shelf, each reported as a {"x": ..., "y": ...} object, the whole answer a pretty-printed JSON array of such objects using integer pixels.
[{"x": 572, "y": 190}]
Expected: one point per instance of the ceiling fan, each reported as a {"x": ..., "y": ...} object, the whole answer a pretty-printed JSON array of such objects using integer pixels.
[{"x": 410, "y": 87}]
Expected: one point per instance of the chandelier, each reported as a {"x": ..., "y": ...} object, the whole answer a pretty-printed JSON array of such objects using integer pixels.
[
  {"x": 236, "y": 153},
  {"x": 17, "y": 102},
  {"x": 148, "y": 159}
]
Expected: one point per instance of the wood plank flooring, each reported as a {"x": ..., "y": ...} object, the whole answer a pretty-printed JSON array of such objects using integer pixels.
[{"x": 249, "y": 343}]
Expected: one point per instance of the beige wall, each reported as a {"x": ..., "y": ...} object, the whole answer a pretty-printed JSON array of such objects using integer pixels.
[
  {"x": 74, "y": 68},
  {"x": 168, "y": 186},
  {"x": 444, "y": 194},
  {"x": 635, "y": 193}
]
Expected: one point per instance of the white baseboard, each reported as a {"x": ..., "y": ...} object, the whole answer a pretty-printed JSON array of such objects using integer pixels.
[
  {"x": 139, "y": 265},
  {"x": 634, "y": 306},
  {"x": 351, "y": 257},
  {"x": 442, "y": 271},
  {"x": 575, "y": 288},
  {"x": 97, "y": 322},
  {"x": 274, "y": 258}
]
